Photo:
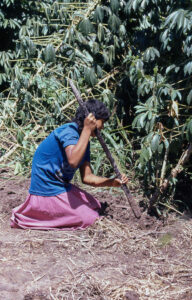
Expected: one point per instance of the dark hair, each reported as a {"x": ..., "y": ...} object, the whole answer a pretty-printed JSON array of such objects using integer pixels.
[{"x": 95, "y": 107}]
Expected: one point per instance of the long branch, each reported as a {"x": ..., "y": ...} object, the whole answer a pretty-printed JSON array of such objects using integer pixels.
[{"x": 135, "y": 208}]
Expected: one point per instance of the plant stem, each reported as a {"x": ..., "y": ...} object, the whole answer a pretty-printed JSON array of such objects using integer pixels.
[{"x": 174, "y": 172}]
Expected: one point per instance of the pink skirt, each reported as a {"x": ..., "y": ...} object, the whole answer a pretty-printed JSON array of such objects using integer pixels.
[{"x": 72, "y": 210}]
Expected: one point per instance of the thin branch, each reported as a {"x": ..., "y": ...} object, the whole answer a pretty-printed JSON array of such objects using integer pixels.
[
  {"x": 6, "y": 155},
  {"x": 174, "y": 172},
  {"x": 135, "y": 208}
]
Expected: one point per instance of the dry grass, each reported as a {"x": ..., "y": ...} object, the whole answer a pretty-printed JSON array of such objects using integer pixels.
[
  {"x": 158, "y": 274},
  {"x": 108, "y": 261}
]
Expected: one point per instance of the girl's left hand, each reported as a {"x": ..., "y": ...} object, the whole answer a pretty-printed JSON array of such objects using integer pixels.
[{"x": 118, "y": 182}]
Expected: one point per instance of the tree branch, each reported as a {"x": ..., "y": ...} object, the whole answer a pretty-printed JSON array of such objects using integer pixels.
[{"x": 174, "y": 172}]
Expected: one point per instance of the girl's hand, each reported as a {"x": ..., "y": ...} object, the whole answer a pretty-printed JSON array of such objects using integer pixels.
[
  {"x": 90, "y": 122},
  {"x": 118, "y": 182}
]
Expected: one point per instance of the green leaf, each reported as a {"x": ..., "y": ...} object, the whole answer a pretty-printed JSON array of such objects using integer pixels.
[
  {"x": 135, "y": 121},
  {"x": 114, "y": 4},
  {"x": 31, "y": 48},
  {"x": 189, "y": 132},
  {"x": 150, "y": 54},
  {"x": 20, "y": 136},
  {"x": 144, "y": 155},
  {"x": 144, "y": 3},
  {"x": 86, "y": 27},
  {"x": 122, "y": 30},
  {"x": 49, "y": 53},
  {"x": 177, "y": 19},
  {"x": 90, "y": 76},
  {"x": 95, "y": 47},
  {"x": 142, "y": 119},
  {"x": 189, "y": 98},
  {"x": 114, "y": 23},
  {"x": 99, "y": 71},
  {"x": 18, "y": 168},
  {"x": 112, "y": 141},
  {"x": 100, "y": 32},
  {"x": 155, "y": 142},
  {"x": 98, "y": 14},
  {"x": 170, "y": 68},
  {"x": 132, "y": 4},
  {"x": 188, "y": 68}
]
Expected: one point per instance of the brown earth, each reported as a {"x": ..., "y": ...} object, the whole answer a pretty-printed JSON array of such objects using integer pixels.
[{"x": 114, "y": 259}]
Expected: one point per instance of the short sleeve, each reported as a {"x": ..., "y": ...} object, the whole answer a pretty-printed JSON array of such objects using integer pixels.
[{"x": 67, "y": 135}]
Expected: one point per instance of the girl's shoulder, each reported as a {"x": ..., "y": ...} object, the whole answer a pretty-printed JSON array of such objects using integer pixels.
[
  {"x": 67, "y": 126},
  {"x": 67, "y": 130}
]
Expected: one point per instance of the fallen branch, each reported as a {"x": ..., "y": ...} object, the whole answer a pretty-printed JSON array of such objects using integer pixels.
[
  {"x": 10, "y": 152},
  {"x": 135, "y": 208},
  {"x": 174, "y": 172}
]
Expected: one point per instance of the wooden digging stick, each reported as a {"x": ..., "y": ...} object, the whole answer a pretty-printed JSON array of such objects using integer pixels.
[{"x": 135, "y": 208}]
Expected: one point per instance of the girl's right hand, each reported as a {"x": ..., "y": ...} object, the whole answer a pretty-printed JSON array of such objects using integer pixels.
[
  {"x": 118, "y": 182},
  {"x": 90, "y": 123}
]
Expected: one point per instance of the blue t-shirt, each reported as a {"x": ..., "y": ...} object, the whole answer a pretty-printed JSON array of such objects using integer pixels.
[{"x": 51, "y": 172}]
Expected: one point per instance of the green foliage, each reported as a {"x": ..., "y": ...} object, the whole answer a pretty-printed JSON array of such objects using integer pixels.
[
  {"x": 86, "y": 27},
  {"x": 159, "y": 68},
  {"x": 114, "y": 23},
  {"x": 49, "y": 53},
  {"x": 135, "y": 55}
]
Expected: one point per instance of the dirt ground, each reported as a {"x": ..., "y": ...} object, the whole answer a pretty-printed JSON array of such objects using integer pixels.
[{"x": 114, "y": 259}]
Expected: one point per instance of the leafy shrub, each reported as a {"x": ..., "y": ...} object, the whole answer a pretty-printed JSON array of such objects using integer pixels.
[{"x": 134, "y": 55}]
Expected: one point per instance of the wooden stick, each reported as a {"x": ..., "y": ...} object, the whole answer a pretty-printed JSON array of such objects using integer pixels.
[{"x": 135, "y": 208}]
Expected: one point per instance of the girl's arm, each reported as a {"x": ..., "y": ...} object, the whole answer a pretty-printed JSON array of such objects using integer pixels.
[
  {"x": 89, "y": 178},
  {"x": 76, "y": 152}
]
